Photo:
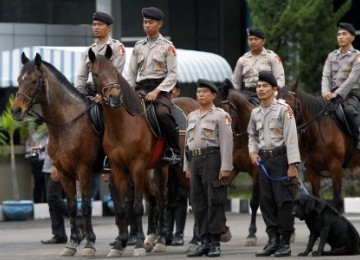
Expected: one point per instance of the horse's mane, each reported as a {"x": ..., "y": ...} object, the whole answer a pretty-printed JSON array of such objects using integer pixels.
[
  {"x": 314, "y": 104},
  {"x": 238, "y": 99},
  {"x": 130, "y": 97}
]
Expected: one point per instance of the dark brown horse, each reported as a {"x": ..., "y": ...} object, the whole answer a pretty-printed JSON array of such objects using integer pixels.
[
  {"x": 240, "y": 109},
  {"x": 73, "y": 145},
  {"x": 325, "y": 149},
  {"x": 130, "y": 144}
]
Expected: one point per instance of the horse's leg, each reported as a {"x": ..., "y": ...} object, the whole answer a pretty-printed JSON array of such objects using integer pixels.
[
  {"x": 153, "y": 221},
  {"x": 336, "y": 177},
  {"x": 69, "y": 186},
  {"x": 160, "y": 244},
  {"x": 314, "y": 179},
  {"x": 119, "y": 190},
  {"x": 251, "y": 239},
  {"x": 85, "y": 184}
]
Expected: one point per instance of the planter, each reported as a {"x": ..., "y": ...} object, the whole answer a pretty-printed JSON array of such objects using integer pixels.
[{"x": 18, "y": 209}]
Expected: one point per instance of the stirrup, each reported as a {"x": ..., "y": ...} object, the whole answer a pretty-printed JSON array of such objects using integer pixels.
[
  {"x": 172, "y": 158},
  {"x": 106, "y": 164}
]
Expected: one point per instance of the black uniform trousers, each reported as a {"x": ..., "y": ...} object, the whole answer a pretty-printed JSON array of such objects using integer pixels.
[
  {"x": 39, "y": 190},
  {"x": 207, "y": 201},
  {"x": 57, "y": 208},
  {"x": 276, "y": 197}
]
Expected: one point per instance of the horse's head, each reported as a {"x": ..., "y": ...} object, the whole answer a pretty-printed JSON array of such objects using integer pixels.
[
  {"x": 106, "y": 77},
  {"x": 290, "y": 94},
  {"x": 31, "y": 84}
]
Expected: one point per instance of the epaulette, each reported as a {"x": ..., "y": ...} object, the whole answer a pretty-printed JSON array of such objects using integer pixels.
[
  {"x": 140, "y": 42},
  {"x": 283, "y": 102},
  {"x": 269, "y": 51},
  {"x": 220, "y": 109}
]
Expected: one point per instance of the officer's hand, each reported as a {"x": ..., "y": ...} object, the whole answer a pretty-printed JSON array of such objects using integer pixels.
[
  {"x": 224, "y": 175},
  {"x": 105, "y": 177},
  {"x": 188, "y": 174},
  {"x": 292, "y": 171},
  {"x": 327, "y": 95},
  {"x": 152, "y": 95},
  {"x": 97, "y": 99},
  {"x": 254, "y": 158}
]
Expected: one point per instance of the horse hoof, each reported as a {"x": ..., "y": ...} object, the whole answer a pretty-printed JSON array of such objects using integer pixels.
[
  {"x": 191, "y": 247},
  {"x": 68, "y": 251},
  {"x": 251, "y": 241},
  {"x": 139, "y": 252},
  {"x": 159, "y": 247},
  {"x": 292, "y": 237},
  {"x": 115, "y": 253},
  {"x": 149, "y": 242},
  {"x": 226, "y": 237},
  {"x": 88, "y": 251}
]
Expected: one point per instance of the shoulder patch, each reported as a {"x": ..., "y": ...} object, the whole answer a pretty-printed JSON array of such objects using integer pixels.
[
  {"x": 227, "y": 119},
  {"x": 289, "y": 113},
  {"x": 358, "y": 58},
  {"x": 121, "y": 50},
  {"x": 172, "y": 50}
]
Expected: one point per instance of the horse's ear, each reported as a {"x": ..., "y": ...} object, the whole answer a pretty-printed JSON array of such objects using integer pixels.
[
  {"x": 37, "y": 60},
  {"x": 224, "y": 89},
  {"x": 92, "y": 56},
  {"x": 108, "y": 52},
  {"x": 24, "y": 59}
]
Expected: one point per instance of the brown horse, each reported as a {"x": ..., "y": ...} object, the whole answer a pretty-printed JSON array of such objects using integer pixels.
[
  {"x": 325, "y": 149},
  {"x": 240, "y": 109},
  {"x": 130, "y": 144},
  {"x": 73, "y": 146}
]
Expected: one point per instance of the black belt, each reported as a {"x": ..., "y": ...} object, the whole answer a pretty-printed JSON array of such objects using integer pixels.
[
  {"x": 250, "y": 89},
  {"x": 203, "y": 151},
  {"x": 272, "y": 153},
  {"x": 148, "y": 84}
]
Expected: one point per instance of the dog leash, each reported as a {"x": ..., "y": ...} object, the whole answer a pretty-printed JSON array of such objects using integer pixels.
[{"x": 265, "y": 172}]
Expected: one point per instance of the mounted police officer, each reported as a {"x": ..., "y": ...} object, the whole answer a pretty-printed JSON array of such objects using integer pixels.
[
  {"x": 101, "y": 27},
  {"x": 208, "y": 164},
  {"x": 273, "y": 139},
  {"x": 153, "y": 70},
  {"x": 245, "y": 76},
  {"x": 341, "y": 75}
]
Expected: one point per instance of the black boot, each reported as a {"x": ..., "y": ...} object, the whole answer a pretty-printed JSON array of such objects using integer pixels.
[
  {"x": 271, "y": 246},
  {"x": 214, "y": 246},
  {"x": 284, "y": 248},
  {"x": 180, "y": 219},
  {"x": 172, "y": 153},
  {"x": 201, "y": 250}
]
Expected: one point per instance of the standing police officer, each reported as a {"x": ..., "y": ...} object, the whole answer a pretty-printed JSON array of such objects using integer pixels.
[
  {"x": 245, "y": 76},
  {"x": 208, "y": 164},
  {"x": 153, "y": 63},
  {"x": 273, "y": 139},
  {"x": 341, "y": 74},
  {"x": 101, "y": 26}
]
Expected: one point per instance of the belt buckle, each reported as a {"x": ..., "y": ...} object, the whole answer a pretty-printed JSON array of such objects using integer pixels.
[
  {"x": 270, "y": 153},
  {"x": 198, "y": 151}
]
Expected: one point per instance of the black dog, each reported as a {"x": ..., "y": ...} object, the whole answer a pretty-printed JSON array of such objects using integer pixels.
[{"x": 325, "y": 222}]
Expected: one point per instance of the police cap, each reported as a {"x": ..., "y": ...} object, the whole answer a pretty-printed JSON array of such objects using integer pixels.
[
  {"x": 256, "y": 32},
  {"x": 103, "y": 17},
  {"x": 347, "y": 27},
  {"x": 152, "y": 13},
  {"x": 207, "y": 84},
  {"x": 268, "y": 77}
]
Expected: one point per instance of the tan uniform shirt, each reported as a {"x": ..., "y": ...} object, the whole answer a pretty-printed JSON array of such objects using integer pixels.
[
  {"x": 154, "y": 62},
  {"x": 248, "y": 66},
  {"x": 341, "y": 72},
  {"x": 210, "y": 130},
  {"x": 118, "y": 59},
  {"x": 274, "y": 126}
]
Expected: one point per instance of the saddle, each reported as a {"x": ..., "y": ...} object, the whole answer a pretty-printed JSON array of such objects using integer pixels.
[
  {"x": 96, "y": 116},
  {"x": 344, "y": 121}
]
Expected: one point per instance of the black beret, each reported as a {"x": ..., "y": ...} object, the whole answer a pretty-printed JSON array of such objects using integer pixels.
[
  {"x": 348, "y": 27},
  {"x": 268, "y": 77},
  {"x": 208, "y": 84},
  {"x": 103, "y": 17},
  {"x": 152, "y": 13},
  {"x": 256, "y": 32}
]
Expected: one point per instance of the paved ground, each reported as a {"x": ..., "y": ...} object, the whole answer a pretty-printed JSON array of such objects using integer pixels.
[{"x": 21, "y": 240}]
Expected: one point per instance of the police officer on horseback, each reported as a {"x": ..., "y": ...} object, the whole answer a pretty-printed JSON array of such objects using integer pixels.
[
  {"x": 245, "y": 76},
  {"x": 153, "y": 70},
  {"x": 341, "y": 75}
]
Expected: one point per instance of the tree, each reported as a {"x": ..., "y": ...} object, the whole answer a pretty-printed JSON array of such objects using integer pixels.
[{"x": 302, "y": 32}]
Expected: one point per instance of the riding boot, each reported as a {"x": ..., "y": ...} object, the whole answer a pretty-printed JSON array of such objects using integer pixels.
[
  {"x": 214, "y": 250},
  {"x": 180, "y": 219},
  {"x": 169, "y": 225},
  {"x": 271, "y": 247},
  {"x": 201, "y": 250},
  {"x": 284, "y": 247},
  {"x": 172, "y": 153}
]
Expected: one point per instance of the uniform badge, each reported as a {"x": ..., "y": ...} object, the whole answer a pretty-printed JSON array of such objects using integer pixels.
[
  {"x": 289, "y": 113},
  {"x": 208, "y": 133},
  {"x": 277, "y": 131},
  {"x": 358, "y": 59},
  {"x": 172, "y": 50},
  {"x": 277, "y": 58},
  {"x": 121, "y": 50},
  {"x": 227, "y": 119}
]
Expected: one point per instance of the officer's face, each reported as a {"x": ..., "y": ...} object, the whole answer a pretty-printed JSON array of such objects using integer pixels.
[
  {"x": 151, "y": 27},
  {"x": 344, "y": 38},
  {"x": 100, "y": 29},
  {"x": 264, "y": 90},
  {"x": 205, "y": 96},
  {"x": 256, "y": 44}
]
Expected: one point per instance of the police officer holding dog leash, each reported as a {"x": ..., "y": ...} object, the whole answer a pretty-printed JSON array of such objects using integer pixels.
[{"x": 273, "y": 145}]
